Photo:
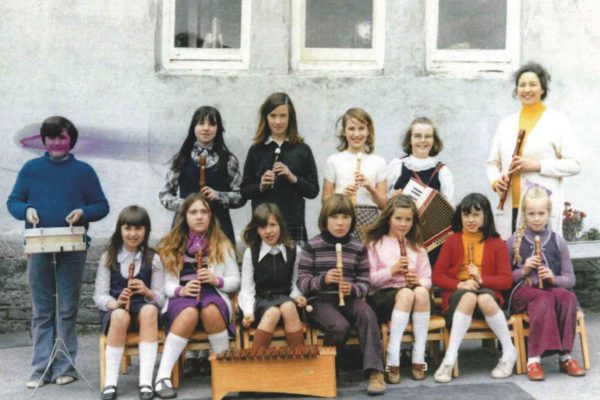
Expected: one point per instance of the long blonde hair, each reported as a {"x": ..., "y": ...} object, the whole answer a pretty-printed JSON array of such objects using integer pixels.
[
  {"x": 172, "y": 247},
  {"x": 536, "y": 192}
]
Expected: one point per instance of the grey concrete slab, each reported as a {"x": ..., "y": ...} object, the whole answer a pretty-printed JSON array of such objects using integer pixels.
[{"x": 474, "y": 381}]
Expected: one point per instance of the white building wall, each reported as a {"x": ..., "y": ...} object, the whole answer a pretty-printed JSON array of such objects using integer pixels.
[{"x": 95, "y": 63}]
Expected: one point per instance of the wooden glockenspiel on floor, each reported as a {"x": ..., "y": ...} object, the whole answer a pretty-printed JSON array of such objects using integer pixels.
[{"x": 305, "y": 370}]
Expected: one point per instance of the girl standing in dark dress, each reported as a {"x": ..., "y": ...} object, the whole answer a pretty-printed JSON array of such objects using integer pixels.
[
  {"x": 280, "y": 167},
  {"x": 222, "y": 170}
]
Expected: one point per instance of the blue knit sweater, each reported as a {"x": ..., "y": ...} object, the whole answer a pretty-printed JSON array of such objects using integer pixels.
[{"x": 54, "y": 189}]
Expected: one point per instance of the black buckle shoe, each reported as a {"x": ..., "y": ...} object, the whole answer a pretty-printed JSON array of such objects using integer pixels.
[
  {"x": 109, "y": 393},
  {"x": 166, "y": 390},
  {"x": 146, "y": 394}
]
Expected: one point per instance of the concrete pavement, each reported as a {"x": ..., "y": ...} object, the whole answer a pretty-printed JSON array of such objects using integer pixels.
[{"x": 475, "y": 382}]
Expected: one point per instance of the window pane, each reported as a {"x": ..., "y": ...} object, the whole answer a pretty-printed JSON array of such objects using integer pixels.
[
  {"x": 208, "y": 23},
  {"x": 472, "y": 24},
  {"x": 339, "y": 23}
]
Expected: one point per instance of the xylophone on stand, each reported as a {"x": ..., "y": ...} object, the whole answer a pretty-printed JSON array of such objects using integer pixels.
[
  {"x": 56, "y": 240},
  {"x": 305, "y": 370}
]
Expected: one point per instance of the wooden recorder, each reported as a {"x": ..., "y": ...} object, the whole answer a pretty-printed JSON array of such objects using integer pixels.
[
  {"x": 403, "y": 254},
  {"x": 130, "y": 273},
  {"x": 537, "y": 245},
  {"x": 470, "y": 257},
  {"x": 202, "y": 175},
  {"x": 198, "y": 267},
  {"x": 306, "y": 370},
  {"x": 340, "y": 266},
  {"x": 516, "y": 152},
  {"x": 359, "y": 157}
]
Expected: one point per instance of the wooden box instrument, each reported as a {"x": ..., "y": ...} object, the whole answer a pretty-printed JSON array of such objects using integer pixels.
[
  {"x": 435, "y": 213},
  {"x": 54, "y": 240},
  {"x": 305, "y": 370}
]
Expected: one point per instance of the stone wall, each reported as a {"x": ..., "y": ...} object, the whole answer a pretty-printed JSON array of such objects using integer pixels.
[{"x": 15, "y": 303}]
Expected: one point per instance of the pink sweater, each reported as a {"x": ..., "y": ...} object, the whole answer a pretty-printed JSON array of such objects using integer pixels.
[{"x": 384, "y": 253}]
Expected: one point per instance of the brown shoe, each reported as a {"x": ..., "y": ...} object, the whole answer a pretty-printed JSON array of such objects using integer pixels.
[
  {"x": 535, "y": 372},
  {"x": 376, "y": 383},
  {"x": 571, "y": 367},
  {"x": 262, "y": 339},
  {"x": 392, "y": 374},
  {"x": 294, "y": 339},
  {"x": 418, "y": 371}
]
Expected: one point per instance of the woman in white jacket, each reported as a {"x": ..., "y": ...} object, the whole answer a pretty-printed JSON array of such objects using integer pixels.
[
  {"x": 196, "y": 295},
  {"x": 548, "y": 153}
]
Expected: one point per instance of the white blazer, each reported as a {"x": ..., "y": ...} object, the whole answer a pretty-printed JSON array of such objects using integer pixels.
[{"x": 552, "y": 142}]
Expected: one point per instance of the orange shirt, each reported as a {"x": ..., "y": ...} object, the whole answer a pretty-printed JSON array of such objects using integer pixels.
[
  {"x": 471, "y": 239},
  {"x": 529, "y": 116}
]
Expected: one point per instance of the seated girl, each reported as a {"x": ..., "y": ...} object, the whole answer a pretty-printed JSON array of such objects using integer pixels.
[
  {"x": 269, "y": 274},
  {"x": 129, "y": 304},
  {"x": 318, "y": 277},
  {"x": 198, "y": 296},
  {"x": 400, "y": 281},
  {"x": 472, "y": 271}
]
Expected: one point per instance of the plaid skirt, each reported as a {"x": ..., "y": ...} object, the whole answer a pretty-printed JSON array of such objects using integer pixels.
[{"x": 365, "y": 216}]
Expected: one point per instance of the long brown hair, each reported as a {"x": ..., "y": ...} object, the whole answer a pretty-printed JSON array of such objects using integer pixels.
[
  {"x": 172, "y": 247},
  {"x": 260, "y": 218},
  {"x": 132, "y": 216},
  {"x": 272, "y": 102},
  {"x": 381, "y": 226}
]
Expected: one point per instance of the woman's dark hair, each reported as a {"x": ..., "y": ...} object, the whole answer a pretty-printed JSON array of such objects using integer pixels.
[
  {"x": 132, "y": 216},
  {"x": 53, "y": 126},
  {"x": 475, "y": 201},
  {"x": 337, "y": 203},
  {"x": 260, "y": 218},
  {"x": 213, "y": 116},
  {"x": 381, "y": 226},
  {"x": 272, "y": 102},
  {"x": 438, "y": 145},
  {"x": 541, "y": 73}
]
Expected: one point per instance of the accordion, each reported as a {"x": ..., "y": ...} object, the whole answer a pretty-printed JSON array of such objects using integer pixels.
[{"x": 435, "y": 213}]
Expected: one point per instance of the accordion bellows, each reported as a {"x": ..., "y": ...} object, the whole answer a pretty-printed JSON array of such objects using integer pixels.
[{"x": 435, "y": 213}]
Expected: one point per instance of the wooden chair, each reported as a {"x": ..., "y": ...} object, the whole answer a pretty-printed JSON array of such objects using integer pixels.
[
  {"x": 247, "y": 335},
  {"x": 479, "y": 330},
  {"x": 522, "y": 321},
  {"x": 132, "y": 341}
]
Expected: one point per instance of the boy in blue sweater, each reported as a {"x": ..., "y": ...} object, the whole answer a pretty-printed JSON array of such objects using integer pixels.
[{"x": 56, "y": 190}]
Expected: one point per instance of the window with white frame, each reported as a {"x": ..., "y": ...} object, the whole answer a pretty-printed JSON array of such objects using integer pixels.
[
  {"x": 338, "y": 34},
  {"x": 205, "y": 34},
  {"x": 472, "y": 38}
]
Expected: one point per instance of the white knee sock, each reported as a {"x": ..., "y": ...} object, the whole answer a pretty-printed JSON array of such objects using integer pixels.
[
  {"x": 531, "y": 360},
  {"x": 174, "y": 345},
  {"x": 147, "y": 361},
  {"x": 460, "y": 326},
  {"x": 113, "y": 363},
  {"x": 498, "y": 325},
  {"x": 219, "y": 341},
  {"x": 564, "y": 357},
  {"x": 420, "y": 322},
  {"x": 398, "y": 324}
]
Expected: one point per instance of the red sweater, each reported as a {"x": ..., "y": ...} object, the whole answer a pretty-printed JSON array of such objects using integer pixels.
[{"x": 495, "y": 267}]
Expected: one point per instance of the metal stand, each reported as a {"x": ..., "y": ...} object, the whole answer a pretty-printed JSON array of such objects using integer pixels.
[{"x": 59, "y": 344}]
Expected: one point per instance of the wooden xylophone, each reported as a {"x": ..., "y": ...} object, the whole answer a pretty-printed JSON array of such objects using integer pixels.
[{"x": 306, "y": 370}]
